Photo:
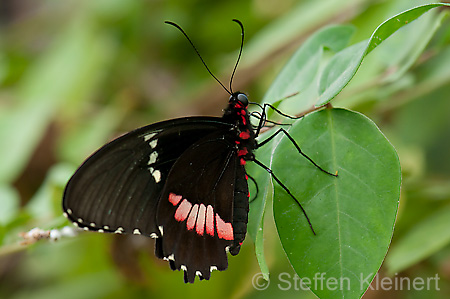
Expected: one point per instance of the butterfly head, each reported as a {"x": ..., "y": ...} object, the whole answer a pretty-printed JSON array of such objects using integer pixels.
[{"x": 238, "y": 100}]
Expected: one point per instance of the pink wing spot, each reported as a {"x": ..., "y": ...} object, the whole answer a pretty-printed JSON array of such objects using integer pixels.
[
  {"x": 244, "y": 135},
  {"x": 243, "y": 152},
  {"x": 210, "y": 220},
  {"x": 224, "y": 229},
  {"x": 174, "y": 199},
  {"x": 183, "y": 210},
  {"x": 243, "y": 161},
  {"x": 192, "y": 217},
  {"x": 201, "y": 218}
]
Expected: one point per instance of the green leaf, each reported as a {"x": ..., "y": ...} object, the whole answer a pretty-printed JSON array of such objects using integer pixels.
[
  {"x": 301, "y": 70},
  {"x": 258, "y": 205},
  {"x": 423, "y": 240},
  {"x": 343, "y": 66},
  {"x": 303, "y": 65},
  {"x": 301, "y": 19},
  {"x": 353, "y": 214},
  {"x": 339, "y": 71},
  {"x": 410, "y": 45}
]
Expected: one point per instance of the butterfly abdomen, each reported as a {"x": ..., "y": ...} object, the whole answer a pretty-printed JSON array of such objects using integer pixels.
[{"x": 240, "y": 210}]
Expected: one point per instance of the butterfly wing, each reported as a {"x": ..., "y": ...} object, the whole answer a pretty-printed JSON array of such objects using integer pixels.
[
  {"x": 203, "y": 208},
  {"x": 118, "y": 187}
]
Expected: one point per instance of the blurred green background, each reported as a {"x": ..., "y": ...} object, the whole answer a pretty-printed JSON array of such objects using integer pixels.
[{"x": 74, "y": 74}]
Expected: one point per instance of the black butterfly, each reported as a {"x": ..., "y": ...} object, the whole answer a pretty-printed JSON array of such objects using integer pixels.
[{"x": 181, "y": 181}]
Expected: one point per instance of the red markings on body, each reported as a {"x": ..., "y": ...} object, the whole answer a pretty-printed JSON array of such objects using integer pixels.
[
  {"x": 224, "y": 229},
  {"x": 183, "y": 210},
  {"x": 244, "y": 135},
  {"x": 243, "y": 162},
  {"x": 192, "y": 217},
  {"x": 244, "y": 121},
  {"x": 174, "y": 199},
  {"x": 210, "y": 220},
  {"x": 242, "y": 152},
  {"x": 201, "y": 218},
  {"x": 246, "y": 177}
]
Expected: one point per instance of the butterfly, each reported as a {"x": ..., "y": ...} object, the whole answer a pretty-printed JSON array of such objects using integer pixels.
[{"x": 181, "y": 181}]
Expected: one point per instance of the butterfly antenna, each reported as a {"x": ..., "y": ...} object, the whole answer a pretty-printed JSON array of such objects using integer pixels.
[
  {"x": 198, "y": 54},
  {"x": 240, "y": 52}
]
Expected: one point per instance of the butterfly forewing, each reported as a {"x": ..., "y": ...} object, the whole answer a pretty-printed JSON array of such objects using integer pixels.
[
  {"x": 181, "y": 181},
  {"x": 118, "y": 187}
]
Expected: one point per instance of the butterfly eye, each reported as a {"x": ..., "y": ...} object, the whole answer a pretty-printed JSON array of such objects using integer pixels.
[{"x": 241, "y": 97}]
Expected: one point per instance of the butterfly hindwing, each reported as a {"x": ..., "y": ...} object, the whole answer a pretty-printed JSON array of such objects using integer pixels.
[
  {"x": 197, "y": 206},
  {"x": 118, "y": 187}
]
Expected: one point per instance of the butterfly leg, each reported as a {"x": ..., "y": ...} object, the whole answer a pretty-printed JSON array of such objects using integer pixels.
[
  {"x": 279, "y": 112},
  {"x": 281, "y": 130},
  {"x": 285, "y": 189},
  {"x": 258, "y": 115},
  {"x": 263, "y": 116},
  {"x": 256, "y": 186}
]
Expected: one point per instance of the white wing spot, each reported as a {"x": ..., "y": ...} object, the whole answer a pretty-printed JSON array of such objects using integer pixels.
[
  {"x": 212, "y": 268},
  {"x": 106, "y": 227},
  {"x": 65, "y": 214},
  {"x": 157, "y": 176},
  {"x": 92, "y": 224},
  {"x": 183, "y": 267},
  {"x": 171, "y": 257},
  {"x": 69, "y": 211},
  {"x": 76, "y": 224},
  {"x": 153, "y": 157},
  {"x": 80, "y": 220},
  {"x": 153, "y": 235},
  {"x": 149, "y": 136},
  {"x": 86, "y": 228},
  {"x": 119, "y": 230},
  {"x": 101, "y": 230},
  {"x": 136, "y": 231},
  {"x": 153, "y": 143},
  {"x": 198, "y": 273},
  {"x": 161, "y": 230}
]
